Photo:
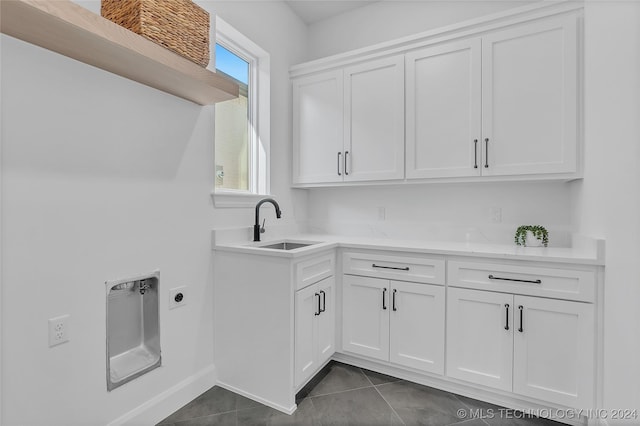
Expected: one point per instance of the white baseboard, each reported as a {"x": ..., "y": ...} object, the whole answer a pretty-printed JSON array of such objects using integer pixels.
[
  {"x": 165, "y": 403},
  {"x": 286, "y": 410},
  {"x": 449, "y": 385}
]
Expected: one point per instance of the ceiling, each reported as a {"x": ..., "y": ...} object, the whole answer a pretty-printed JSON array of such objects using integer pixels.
[{"x": 312, "y": 11}]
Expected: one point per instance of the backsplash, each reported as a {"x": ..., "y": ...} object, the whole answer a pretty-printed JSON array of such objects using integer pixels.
[{"x": 447, "y": 212}]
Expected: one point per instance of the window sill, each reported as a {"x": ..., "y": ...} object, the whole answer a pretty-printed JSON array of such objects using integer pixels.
[{"x": 223, "y": 200}]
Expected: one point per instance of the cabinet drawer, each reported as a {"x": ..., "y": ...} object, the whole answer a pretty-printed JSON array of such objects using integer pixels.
[
  {"x": 394, "y": 267},
  {"x": 313, "y": 270},
  {"x": 535, "y": 281}
]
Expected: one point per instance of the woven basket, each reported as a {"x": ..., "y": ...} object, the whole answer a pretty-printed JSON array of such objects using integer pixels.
[{"x": 178, "y": 25}]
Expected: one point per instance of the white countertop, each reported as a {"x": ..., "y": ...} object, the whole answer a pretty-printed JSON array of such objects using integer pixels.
[{"x": 585, "y": 251}]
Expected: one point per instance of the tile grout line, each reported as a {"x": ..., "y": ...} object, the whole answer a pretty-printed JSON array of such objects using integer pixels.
[
  {"x": 314, "y": 410},
  {"x": 383, "y": 398},
  {"x": 368, "y": 379},
  {"x": 339, "y": 392},
  {"x": 468, "y": 408},
  {"x": 392, "y": 409}
]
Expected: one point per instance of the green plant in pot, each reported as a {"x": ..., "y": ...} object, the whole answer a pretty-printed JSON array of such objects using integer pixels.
[{"x": 532, "y": 236}]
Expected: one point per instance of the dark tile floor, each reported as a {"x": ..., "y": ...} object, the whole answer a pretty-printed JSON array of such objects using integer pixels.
[{"x": 344, "y": 395}]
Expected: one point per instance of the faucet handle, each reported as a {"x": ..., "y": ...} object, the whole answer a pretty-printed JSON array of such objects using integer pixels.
[{"x": 262, "y": 230}]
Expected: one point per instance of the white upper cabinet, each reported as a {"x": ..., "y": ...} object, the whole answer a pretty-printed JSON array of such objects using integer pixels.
[
  {"x": 529, "y": 98},
  {"x": 374, "y": 120},
  {"x": 443, "y": 110},
  {"x": 317, "y": 128},
  {"x": 498, "y": 102}
]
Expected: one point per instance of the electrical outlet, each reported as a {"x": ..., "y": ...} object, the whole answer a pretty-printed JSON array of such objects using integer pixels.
[
  {"x": 58, "y": 330},
  {"x": 177, "y": 297},
  {"x": 382, "y": 213},
  {"x": 496, "y": 214}
]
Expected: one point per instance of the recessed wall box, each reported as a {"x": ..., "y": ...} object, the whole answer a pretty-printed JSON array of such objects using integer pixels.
[{"x": 133, "y": 328}]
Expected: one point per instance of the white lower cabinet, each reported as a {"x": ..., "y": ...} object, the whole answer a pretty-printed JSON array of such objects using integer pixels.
[
  {"x": 365, "y": 316},
  {"x": 395, "y": 321},
  {"x": 553, "y": 350},
  {"x": 479, "y": 337},
  {"x": 533, "y": 346},
  {"x": 417, "y": 326},
  {"x": 314, "y": 328}
]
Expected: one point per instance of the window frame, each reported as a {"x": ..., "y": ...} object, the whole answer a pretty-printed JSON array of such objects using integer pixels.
[{"x": 259, "y": 118}]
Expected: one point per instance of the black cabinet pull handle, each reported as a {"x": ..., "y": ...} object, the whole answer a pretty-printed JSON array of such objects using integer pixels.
[
  {"x": 318, "y": 312},
  {"x": 384, "y": 299},
  {"x": 324, "y": 301},
  {"x": 521, "y": 329},
  {"x": 394, "y": 299},
  {"x": 346, "y": 155},
  {"x": 506, "y": 307},
  {"x": 339, "y": 155},
  {"x": 491, "y": 277},
  {"x": 486, "y": 152},
  {"x": 475, "y": 153},
  {"x": 373, "y": 265}
]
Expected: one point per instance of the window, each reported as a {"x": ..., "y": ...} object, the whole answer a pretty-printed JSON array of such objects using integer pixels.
[
  {"x": 233, "y": 125},
  {"x": 242, "y": 124}
]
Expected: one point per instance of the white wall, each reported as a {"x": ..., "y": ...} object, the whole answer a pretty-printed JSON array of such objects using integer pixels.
[
  {"x": 103, "y": 178},
  {"x": 387, "y": 20},
  {"x": 606, "y": 203}
]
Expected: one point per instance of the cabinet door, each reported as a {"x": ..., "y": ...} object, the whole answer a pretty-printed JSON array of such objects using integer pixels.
[
  {"x": 417, "y": 326},
  {"x": 374, "y": 120},
  {"x": 554, "y": 351},
  {"x": 529, "y": 97},
  {"x": 443, "y": 115},
  {"x": 480, "y": 337},
  {"x": 327, "y": 320},
  {"x": 306, "y": 343},
  {"x": 365, "y": 316},
  {"x": 317, "y": 128}
]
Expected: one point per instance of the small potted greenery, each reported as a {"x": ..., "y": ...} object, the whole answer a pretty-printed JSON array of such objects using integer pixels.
[{"x": 532, "y": 236}]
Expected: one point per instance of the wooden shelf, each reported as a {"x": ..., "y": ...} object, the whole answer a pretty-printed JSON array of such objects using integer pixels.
[{"x": 73, "y": 31}]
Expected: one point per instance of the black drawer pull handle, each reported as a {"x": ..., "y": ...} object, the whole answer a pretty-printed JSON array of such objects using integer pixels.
[
  {"x": 384, "y": 298},
  {"x": 339, "y": 154},
  {"x": 486, "y": 152},
  {"x": 506, "y": 306},
  {"x": 318, "y": 312},
  {"x": 406, "y": 268},
  {"x": 521, "y": 308},
  {"x": 491, "y": 277},
  {"x": 346, "y": 156},
  {"x": 324, "y": 301},
  {"x": 393, "y": 303},
  {"x": 475, "y": 153}
]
